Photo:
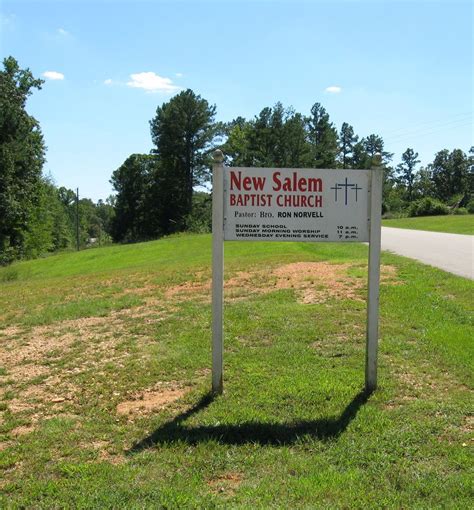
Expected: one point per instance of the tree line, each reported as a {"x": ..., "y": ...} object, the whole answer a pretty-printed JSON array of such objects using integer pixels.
[
  {"x": 156, "y": 194},
  {"x": 36, "y": 216}
]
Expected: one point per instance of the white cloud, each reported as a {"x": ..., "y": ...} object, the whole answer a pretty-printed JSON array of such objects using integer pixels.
[
  {"x": 53, "y": 75},
  {"x": 179, "y": 75},
  {"x": 62, "y": 32},
  {"x": 108, "y": 81},
  {"x": 151, "y": 82},
  {"x": 333, "y": 89}
]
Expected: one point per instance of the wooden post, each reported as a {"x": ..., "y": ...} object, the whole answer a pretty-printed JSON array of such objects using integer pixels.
[
  {"x": 217, "y": 271},
  {"x": 374, "y": 277}
]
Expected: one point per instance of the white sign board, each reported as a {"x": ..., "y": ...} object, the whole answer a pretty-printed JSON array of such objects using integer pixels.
[{"x": 268, "y": 204}]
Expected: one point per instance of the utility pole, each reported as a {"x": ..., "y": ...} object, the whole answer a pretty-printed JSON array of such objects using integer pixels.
[{"x": 77, "y": 219}]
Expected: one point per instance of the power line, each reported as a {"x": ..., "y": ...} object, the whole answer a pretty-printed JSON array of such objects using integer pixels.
[
  {"x": 432, "y": 123},
  {"x": 421, "y": 133}
]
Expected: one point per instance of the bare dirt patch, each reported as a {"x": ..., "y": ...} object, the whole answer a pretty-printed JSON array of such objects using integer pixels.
[
  {"x": 36, "y": 343},
  {"x": 226, "y": 483},
  {"x": 41, "y": 363},
  {"x": 468, "y": 425},
  {"x": 33, "y": 358},
  {"x": 22, "y": 431},
  {"x": 111, "y": 458},
  {"x": 151, "y": 400},
  {"x": 188, "y": 290},
  {"x": 313, "y": 282},
  {"x": 4, "y": 445}
]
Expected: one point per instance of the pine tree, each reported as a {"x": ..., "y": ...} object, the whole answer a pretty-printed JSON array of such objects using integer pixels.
[
  {"x": 322, "y": 136},
  {"x": 347, "y": 141},
  {"x": 406, "y": 170},
  {"x": 183, "y": 131}
]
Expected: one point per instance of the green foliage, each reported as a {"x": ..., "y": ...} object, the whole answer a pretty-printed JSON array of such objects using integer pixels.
[
  {"x": 347, "y": 141},
  {"x": 183, "y": 132},
  {"x": 450, "y": 174},
  {"x": 374, "y": 147},
  {"x": 277, "y": 137},
  {"x": 470, "y": 206},
  {"x": 423, "y": 184},
  {"x": 406, "y": 170},
  {"x": 134, "y": 211},
  {"x": 200, "y": 220},
  {"x": 322, "y": 136},
  {"x": 460, "y": 211},
  {"x": 21, "y": 160},
  {"x": 428, "y": 207},
  {"x": 393, "y": 200}
]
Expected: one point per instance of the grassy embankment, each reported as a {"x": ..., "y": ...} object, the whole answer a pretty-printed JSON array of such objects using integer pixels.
[
  {"x": 104, "y": 376},
  {"x": 462, "y": 224}
]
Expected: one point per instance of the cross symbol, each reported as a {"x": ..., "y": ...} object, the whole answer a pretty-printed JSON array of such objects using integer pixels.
[
  {"x": 346, "y": 186},
  {"x": 336, "y": 188},
  {"x": 356, "y": 187}
]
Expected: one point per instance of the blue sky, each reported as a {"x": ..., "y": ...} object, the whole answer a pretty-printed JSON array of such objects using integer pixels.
[{"x": 399, "y": 69}]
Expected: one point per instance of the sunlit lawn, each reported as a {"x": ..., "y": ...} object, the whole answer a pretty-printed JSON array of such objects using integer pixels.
[
  {"x": 105, "y": 377},
  {"x": 462, "y": 224}
]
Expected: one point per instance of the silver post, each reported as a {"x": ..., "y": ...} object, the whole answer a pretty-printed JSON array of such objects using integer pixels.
[
  {"x": 217, "y": 270},
  {"x": 374, "y": 276}
]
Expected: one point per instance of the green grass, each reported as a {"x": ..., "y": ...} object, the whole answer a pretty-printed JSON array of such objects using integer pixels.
[
  {"x": 293, "y": 428},
  {"x": 462, "y": 224}
]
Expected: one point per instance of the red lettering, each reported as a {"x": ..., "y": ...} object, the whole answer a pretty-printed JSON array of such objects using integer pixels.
[
  {"x": 315, "y": 185},
  {"x": 302, "y": 184},
  {"x": 258, "y": 183},
  {"x": 276, "y": 180},
  {"x": 235, "y": 181}
]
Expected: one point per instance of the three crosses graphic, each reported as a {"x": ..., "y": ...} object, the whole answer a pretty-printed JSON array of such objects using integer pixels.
[{"x": 346, "y": 186}]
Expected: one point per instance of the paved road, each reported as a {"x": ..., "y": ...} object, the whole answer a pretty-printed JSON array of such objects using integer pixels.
[{"x": 451, "y": 252}]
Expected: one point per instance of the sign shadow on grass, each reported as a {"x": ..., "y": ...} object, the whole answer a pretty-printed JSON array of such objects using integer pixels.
[{"x": 276, "y": 434}]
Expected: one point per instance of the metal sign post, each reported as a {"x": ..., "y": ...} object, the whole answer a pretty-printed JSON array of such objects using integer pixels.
[
  {"x": 217, "y": 271},
  {"x": 373, "y": 285},
  {"x": 295, "y": 204}
]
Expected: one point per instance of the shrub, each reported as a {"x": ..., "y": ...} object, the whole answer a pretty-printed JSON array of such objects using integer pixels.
[
  {"x": 470, "y": 206},
  {"x": 428, "y": 207},
  {"x": 460, "y": 211}
]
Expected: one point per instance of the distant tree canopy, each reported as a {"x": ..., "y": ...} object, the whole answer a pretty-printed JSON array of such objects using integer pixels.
[
  {"x": 35, "y": 216},
  {"x": 158, "y": 193},
  {"x": 450, "y": 173}
]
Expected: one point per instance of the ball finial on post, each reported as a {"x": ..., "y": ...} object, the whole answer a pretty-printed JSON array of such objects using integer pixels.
[
  {"x": 377, "y": 160},
  {"x": 218, "y": 156}
]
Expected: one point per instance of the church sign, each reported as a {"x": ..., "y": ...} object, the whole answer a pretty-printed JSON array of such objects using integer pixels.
[
  {"x": 264, "y": 204},
  {"x": 295, "y": 204}
]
